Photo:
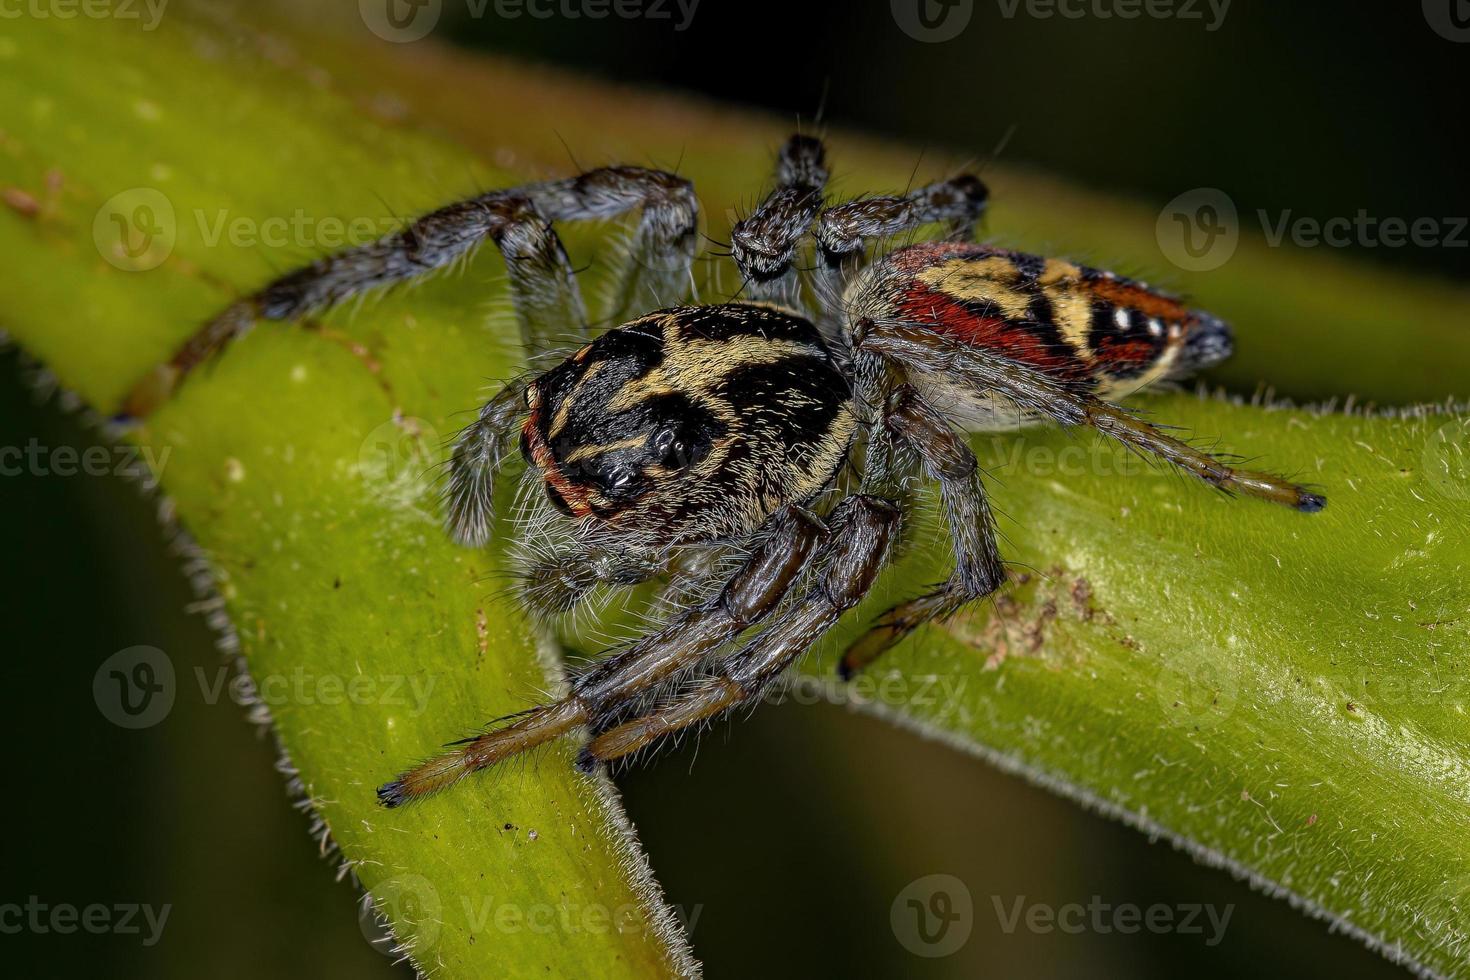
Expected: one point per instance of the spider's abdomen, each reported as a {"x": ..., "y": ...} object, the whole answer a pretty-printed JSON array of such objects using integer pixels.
[
  {"x": 691, "y": 423},
  {"x": 1097, "y": 331}
]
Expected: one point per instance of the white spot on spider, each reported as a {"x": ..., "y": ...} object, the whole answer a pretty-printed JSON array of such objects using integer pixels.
[
  {"x": 1120, "y": 317},
  {"x": 1175, "y": 329},
  {"x": 1155, "y": 327}
]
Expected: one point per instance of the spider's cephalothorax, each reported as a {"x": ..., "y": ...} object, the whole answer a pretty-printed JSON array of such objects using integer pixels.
[
  {"x": 691, "y": 424},
  {"x": 722, "y": 430}
]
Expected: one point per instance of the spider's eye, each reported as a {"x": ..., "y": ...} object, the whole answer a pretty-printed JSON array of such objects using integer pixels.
[
  {"x": 670, "y": 450},
  {"x": 679, "y": 446}
]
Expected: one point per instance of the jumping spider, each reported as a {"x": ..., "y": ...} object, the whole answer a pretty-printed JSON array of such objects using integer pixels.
[{"x": 778, "y": 430}]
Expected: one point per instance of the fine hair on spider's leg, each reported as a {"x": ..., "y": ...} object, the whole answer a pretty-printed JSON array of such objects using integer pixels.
[
  {"x": 921, "y": 350},
  {"x": 862, "y": 530},
  {"x": 844, "y": 231},
  {"x": 750, "y": 595},
  {"x": 517, "y": 220},
  {"x": 978, "y": 570},
  {"x": 764, "y": 243}
]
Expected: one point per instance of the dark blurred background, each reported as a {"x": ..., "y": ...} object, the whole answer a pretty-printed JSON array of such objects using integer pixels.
[{"x": 786, "y": 845}]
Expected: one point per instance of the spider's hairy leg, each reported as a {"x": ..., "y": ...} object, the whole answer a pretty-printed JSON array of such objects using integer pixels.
[
  {"x": 862, "y": 529},
  {"x": 844, "y": 230},
  {"x": 978, "y": 570},
  {"x": 542, "y": 285},
  {"x": 661, "y": 251},
  {"x": 764, "y": 243},
  {"x": 748, "y": 597},
  {"x": 921, "y": 350},
  {"x": 517, "y": 220}
]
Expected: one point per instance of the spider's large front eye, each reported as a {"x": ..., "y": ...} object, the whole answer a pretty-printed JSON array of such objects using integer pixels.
[{"x": 678, "y": 448}]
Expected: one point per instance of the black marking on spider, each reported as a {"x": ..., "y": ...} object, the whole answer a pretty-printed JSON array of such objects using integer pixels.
[{"x": 778, "y": 432}]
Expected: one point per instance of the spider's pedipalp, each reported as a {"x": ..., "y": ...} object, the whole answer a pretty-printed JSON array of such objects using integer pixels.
[
  {"x": 477, "y": 456},
  {"x": 764, "y": 243}
]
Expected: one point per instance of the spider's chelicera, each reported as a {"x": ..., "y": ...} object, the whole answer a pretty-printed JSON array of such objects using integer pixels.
[{"x": 755, "y": 454}]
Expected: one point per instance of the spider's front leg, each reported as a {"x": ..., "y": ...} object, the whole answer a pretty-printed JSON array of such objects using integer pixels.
[
  {"x": 748, "y": 597},
  {"x": 862, "y": 529},
  {"x": 518, "y": 221},
  {"x": 948, "y": 460}
]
